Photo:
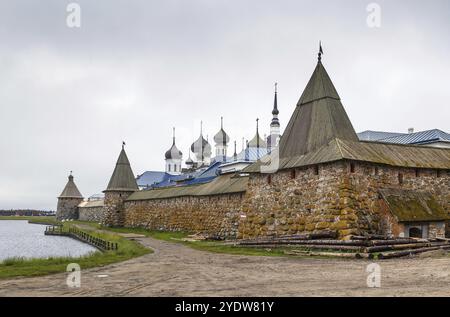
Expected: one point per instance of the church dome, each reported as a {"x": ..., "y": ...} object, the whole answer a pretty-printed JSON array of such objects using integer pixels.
[
  {"x": 221, "y": 137},
  {"x": 173, "y": 153},
  {"x": 201, "y": 146},
  {"x": 189, "y": 161}
]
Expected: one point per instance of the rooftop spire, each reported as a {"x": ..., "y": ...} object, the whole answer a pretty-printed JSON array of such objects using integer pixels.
[
  {"x": 257, "y": 132},
  {"x": 320, "y": 51},
  {"x": 173, "y": 135},
  {"x": 235, "y": 153},
  {"x": 123, "y": 145},
  {"x": 221, "y": 122}
]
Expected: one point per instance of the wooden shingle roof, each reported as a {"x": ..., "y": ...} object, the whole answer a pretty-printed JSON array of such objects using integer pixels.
[
  {"x": 381, "y": 153},
  {"x": 318, "y": 118},
  {"x": 224, "y": 184},
  {"x": 70, "y": 190},
  {"x": 122, "y": 178}
]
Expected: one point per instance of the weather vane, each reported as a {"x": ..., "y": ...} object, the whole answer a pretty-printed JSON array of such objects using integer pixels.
[{"x": 320, "y": 51}]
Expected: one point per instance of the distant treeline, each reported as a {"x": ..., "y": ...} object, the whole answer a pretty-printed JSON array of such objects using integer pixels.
[{"x": 26, "y": 212}]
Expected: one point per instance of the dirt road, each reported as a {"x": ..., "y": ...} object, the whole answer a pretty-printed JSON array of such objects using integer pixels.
[{"x": 176, "y": 270}]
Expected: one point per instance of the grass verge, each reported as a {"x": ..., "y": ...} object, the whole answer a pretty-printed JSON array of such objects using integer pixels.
[{"x": 127, "y": 249}]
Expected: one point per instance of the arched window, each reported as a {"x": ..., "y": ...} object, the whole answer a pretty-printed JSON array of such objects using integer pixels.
[
  {"x": 175, "y": 167},
  {"x": 169, "y": 168}
]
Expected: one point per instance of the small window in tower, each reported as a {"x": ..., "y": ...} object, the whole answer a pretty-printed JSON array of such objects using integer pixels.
[
  {"x": 169, "y": 168},
  {"x": 316, "y": 169},
  {"x": 352, "y": 167},
  {"x": 376, "y": 170},
  {"x": 269, "y": 179},
  {"x": 293, "y": 174},
  {"x": 400, "y": 178},
  {"x": 439, "y": 173},
  {"x": 175, "y": 168},
  {"x": 417, "y": 173}
]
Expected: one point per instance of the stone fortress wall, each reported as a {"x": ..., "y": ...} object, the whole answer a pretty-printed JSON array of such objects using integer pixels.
[{"x": 341, "y": 196}]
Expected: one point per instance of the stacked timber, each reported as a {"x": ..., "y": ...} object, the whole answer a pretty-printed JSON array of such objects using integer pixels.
[{"x": 326, "y": 244}]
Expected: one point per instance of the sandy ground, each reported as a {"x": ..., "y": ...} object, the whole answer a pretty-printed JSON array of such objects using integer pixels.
[{"x": 176, "y": 270}]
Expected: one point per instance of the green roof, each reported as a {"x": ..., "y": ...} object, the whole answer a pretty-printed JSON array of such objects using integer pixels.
[
  {"x": 382, "y": 153},
  {"x": 71, "y": 190},
  {"x": 318, "y": 118},
  {"x": 412, "y": 206},
  {"x": 122, "y": 178},
  {"x": 224, "y": 184}
]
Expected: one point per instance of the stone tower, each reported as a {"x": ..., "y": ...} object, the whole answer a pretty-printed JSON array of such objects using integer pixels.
[
  {"x": 68, "y": 201},
  {"x": 121, "y": 185}
]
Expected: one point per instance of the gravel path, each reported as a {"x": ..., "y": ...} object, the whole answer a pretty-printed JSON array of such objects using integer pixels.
[{"x": 176, "y": 270}]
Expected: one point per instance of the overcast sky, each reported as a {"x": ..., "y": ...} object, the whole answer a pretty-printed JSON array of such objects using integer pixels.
[{"x": 135, "y": 69}]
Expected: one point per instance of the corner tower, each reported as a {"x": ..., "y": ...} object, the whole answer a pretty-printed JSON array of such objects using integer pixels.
[
  {"x": 68, "y": 201},
  {"x": 318, "y": 118},
  {"x": 121, "y": 185}
]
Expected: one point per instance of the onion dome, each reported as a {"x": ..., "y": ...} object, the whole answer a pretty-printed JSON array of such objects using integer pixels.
[
  {"x": 257, "y": 141},
  {"x": 174, "y": 152},
  {"x": 221, "y": 137},
  {"x": 189, "y": 161},
  {"x": 201, "y": 147}
]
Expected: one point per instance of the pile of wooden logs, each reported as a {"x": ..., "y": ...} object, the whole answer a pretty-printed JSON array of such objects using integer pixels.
[{"x": 326, "y": 244}]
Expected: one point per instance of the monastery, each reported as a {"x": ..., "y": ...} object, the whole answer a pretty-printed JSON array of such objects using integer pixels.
[{"x": 318, "y": 175}]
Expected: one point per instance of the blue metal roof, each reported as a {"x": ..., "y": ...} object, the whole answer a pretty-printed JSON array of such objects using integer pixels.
[
  {"x": 252, "y": 154},
  {"x": 151, "y": 178},
  {"x": 423, "y": 137},
  {"x": 376, "y": 135}
]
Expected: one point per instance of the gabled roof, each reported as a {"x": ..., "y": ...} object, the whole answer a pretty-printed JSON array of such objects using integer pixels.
[
  {"x": 122, "y": 178},
  {"x": 381, "y": 153},
  {"x": 411, "y": 206},
  {"x": 422, "y": 137},
  {"x": 318, "y": 118},
  {"x": 70, "y": 190},
  {"x": 92, "y": 204}
]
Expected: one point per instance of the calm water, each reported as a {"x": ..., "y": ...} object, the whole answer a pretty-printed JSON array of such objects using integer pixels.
[{"x": 20, "y": 239}]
